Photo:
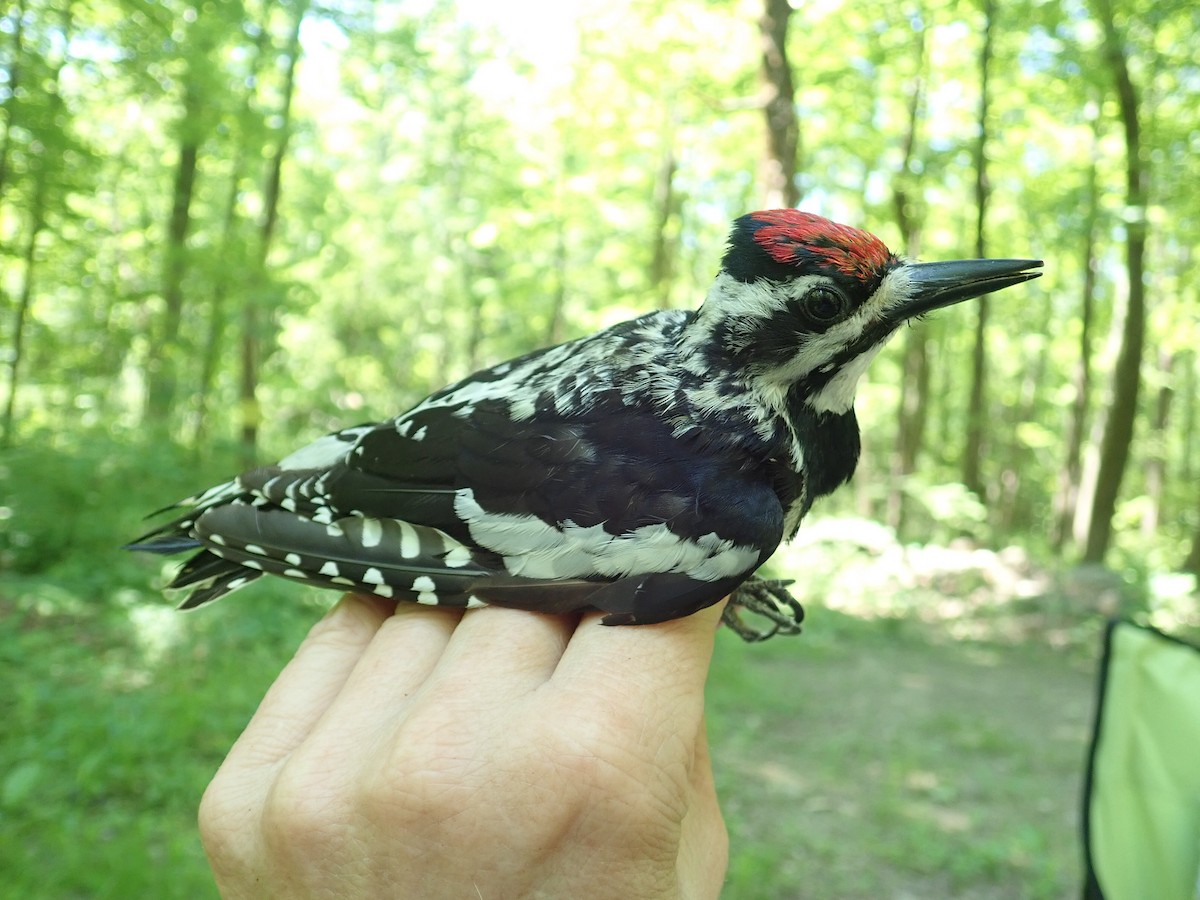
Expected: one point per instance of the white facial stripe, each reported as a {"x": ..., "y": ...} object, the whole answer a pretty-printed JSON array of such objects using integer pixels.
[
  {"x": 743, "y": 307},
  {"x": 819, "y": 349},
  {"x": 837, "y": 396},
  {"x": 762, "y": 299}
]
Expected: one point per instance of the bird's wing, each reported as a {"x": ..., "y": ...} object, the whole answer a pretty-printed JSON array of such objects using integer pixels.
[
  {"x": 464, "y": 505},
  {"x": 533, "y": 484}
]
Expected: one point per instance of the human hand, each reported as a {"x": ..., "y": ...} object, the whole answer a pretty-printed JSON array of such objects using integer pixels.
[{"x": 496, "y": 754}]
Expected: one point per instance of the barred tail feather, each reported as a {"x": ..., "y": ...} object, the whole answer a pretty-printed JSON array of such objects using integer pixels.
[
  {"x": 235, "y": 578},
  {"x": 165, "y": 544}
]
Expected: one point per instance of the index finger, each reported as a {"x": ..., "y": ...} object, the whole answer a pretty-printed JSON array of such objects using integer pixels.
[{"x": 309, "y": 683}]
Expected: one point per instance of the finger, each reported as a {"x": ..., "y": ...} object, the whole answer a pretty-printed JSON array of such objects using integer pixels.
[
  {"x": 704, "y": 788},
  {"x": 309, "y": 683},
  {"x": 399, "y": 659},
  {"x": 468, "y": 664},
  {"x": 655, "y": 666},
  {"x": 704, "y": 840},
  {"x": 515, "y": 650}
]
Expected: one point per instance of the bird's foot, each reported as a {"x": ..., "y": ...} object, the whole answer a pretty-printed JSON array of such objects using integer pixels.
[{"x": 769, "y": 599}]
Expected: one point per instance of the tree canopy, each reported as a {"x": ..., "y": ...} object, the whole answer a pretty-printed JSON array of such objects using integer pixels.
[{"x": 251, "y": 221}]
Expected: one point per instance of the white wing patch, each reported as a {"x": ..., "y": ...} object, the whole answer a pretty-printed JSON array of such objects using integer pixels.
[
  {"x": 534, "y": 549},
  {"x": 227, "y": 490}
]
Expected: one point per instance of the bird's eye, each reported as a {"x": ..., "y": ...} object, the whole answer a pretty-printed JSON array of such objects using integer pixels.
[{"x": 824, "y": 305}]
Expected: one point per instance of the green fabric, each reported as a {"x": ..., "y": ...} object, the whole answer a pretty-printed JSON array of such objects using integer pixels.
[{"x": 1143, "y": 806}]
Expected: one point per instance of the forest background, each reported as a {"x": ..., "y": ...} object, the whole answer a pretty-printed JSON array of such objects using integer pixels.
[{"x": 228, "y": 227}]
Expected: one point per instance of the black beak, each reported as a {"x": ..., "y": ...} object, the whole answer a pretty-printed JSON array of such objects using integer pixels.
[{"x": 938, "y": 284}]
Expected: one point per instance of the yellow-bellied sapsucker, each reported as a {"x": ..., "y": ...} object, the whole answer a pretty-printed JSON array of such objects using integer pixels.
[{"x": 646, "y": 471}]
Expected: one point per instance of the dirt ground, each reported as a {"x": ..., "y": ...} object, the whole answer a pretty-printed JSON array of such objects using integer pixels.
[{"x": 886, "y": 760}]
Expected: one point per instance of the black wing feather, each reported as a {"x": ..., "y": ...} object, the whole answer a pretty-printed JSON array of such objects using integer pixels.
[{"x": 386, "y": 515}]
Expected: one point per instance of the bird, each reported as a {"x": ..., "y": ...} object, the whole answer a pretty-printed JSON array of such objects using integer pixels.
[{"x": 646, "y": 471}]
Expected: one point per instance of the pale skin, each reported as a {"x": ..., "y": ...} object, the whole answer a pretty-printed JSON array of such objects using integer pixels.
[{"x": 418, "y": 752}]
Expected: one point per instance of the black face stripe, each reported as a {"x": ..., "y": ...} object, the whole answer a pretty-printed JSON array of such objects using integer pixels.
[{"x": 831, "y": 445}]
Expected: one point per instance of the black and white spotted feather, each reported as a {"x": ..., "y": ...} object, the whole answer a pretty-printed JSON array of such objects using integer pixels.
[{"x": 646, "y": 471}]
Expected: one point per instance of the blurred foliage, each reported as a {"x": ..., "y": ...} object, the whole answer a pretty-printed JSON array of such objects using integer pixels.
[
  {"x": 72, "y": 498},
  {"x": 460, "y": 186},
  {"x": 121, "y": 713}
]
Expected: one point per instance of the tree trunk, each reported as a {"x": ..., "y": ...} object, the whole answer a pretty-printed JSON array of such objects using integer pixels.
[
  {"x": 249, "y": 414},
  {"x": 1069, "y": 477},
  {"x": 560, "y": 266},
  {"x": 665, "y": 203},
  {"x": 162, "y": 367},
  {"x": 1010, "y": 514},
  {"x": 1119, "y": 427},
  {"x": 215, "y": 338},
  {"x": 977, "y": 403},
  {"x": 37, "y": 224},
  {"x": 218, "y": 314},
  {"x": 779, "y": 162},
  {"x": 914, "y": 376},
  {"x": 1187, "y": 462},
  {"x": 37, "y": 215},
  {"x": 14, "y": 89},
  {"x": 1156, "y": 451},
  {"x": 471, "y": 265},
  {"x": 1192, "y": 562},
  {"x": 252, "y": 319}
]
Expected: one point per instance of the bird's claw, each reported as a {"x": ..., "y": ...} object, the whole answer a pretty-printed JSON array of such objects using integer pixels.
[{"x": 769, "y": 599}]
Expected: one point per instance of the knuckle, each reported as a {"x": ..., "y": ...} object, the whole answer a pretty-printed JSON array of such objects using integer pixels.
[
  {"x": 639, "y": 769},
  {"x": 417, "y": 796},
  {"x": 340, "y": 631},
  {"x": 221, "y": 820},
  {"x": 425, "y": 777},
  {"x": 302, "y": 815}
]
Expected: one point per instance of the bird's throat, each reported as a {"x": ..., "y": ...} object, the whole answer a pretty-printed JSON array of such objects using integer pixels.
[{"x": 837, "y": 394}]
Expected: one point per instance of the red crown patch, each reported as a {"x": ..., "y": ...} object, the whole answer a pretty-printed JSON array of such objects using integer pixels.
[{"x": 789, "y": 234}]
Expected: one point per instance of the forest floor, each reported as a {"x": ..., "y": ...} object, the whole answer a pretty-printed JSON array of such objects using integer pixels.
[
  {"x": 884, "y": 760},
  {"x": 926, "y": 736},
  {"x": 934, "y": 751}
]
